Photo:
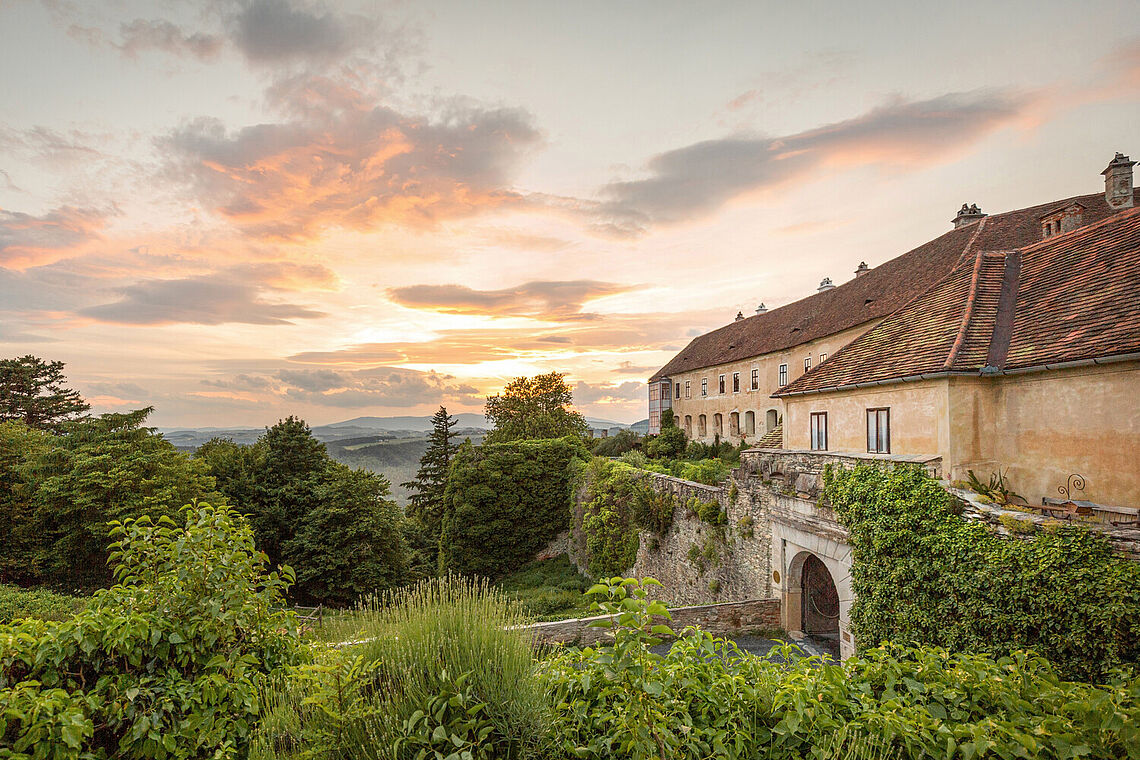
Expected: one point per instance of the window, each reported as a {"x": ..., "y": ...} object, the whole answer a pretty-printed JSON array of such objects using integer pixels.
[
  {"x": 678, "y": 391},
  {"x": 783, "y": 374},
  {"x": 819, "y": 431},
  {"x": 689, "y": 425},
  {"x": 718, "y": 424},
  {"x": 755, "y": 379},
  {"x": 702, "y": 426},
  {"x": 653, "y": 391},
  {"x": 750, "y": 423},
  {"x": 807, "y": 363},
  {"x": 720, "y": 385},
  {"x": 822, "y": 358},
  {"x": 688, "y": 394},
  {"x": 879, "y": 431},
  {"x": 665, "y": 388},
  {"x": 736, "y": 382},
  {"x": 704, "y": 386}
]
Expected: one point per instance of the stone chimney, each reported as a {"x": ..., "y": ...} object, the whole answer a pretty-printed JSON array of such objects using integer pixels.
[
  {"x": 761, "y": 309},
  {"x": 968, "y": 214},
  {"x": 825, "y": 284},
  {"x": 1118, "y": 182},
  {"x": 739, "y": 316},
  {"x": 863, "y": 269}
]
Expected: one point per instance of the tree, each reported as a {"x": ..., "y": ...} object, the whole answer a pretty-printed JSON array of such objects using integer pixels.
[
  {"x": 33, "y": 392},
  {"x": 101, "y": 469},
  {"x": 334, "y": 525},
  {"x": 538, "y": 407},
  {"x": 425, "y": 504},
  {"x": 670, "y": 442}
]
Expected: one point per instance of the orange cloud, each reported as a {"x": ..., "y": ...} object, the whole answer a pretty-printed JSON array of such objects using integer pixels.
[
  {"x": 547, "y": 300},
  {"x": 341, "y": 161},
  {"x": 27, "y": 240}
]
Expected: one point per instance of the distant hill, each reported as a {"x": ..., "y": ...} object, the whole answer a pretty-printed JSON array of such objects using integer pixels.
[{"x": 421, "y": 424}]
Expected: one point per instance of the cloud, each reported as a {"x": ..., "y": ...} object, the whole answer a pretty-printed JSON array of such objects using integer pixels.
[
  {"x": 340, "y": 161},
  {"x": 47, "y": 145},
  {"x": 156, "y": 34},
  {"x": 231, "y": 295},
  {"x": 6, "y": 182},
  {"x": 26, "y": 239},
  {"x": 557, "y": 300},
  {"x": 618, "y": 393},
  {"x": 385, "y": 386},
  {"x": 699, "y": 179},
  {"x": 276, "y": 31}
]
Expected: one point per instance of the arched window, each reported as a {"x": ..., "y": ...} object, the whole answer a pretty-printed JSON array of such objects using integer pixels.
[
  {"x": 734, "y": 424},
  {"x": 750, "y": 423},
  {"x": 718, "y": 424},
  {"x": 771, "y": 420},
  {"x": 702, "y": 426}
]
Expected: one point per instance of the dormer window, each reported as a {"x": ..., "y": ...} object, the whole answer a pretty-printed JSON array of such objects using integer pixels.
[{"x": 1062, "y": 220}]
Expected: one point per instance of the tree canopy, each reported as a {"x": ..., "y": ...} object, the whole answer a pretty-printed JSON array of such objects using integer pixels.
[
  {"x": 534, "y": 407},
  {"x": 33, "y": 391}
]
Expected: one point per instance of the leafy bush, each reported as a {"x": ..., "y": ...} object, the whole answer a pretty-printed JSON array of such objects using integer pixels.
[
  {"x": 164, "y": 664},
  {"x": 442, "y": 659},
  {"x": 616, "y": 445},
  {"x": 549, "y": 589},
  {"x": 922, "y": 574},
  {"x": 38, "y": 603},
  {"x": 504, "y": 502},
  {"x": 711, "y": 472},
  {"x": 705, "y": 698}
]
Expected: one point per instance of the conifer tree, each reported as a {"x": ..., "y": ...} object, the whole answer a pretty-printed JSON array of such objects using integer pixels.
[
  {"x": 32, "y": 391},
  {"x": 425, "y": 505}
]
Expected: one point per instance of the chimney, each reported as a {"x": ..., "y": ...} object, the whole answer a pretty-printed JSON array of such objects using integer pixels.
[
  {"x": 825, "y": 284},
  {"x": 739, "y": 316},
  {"x": 968, "y": 214},
  {"x": 761, "y": 309},
  {"x": 863, "y": 269},
  {"x": 1118, "y": 182}
]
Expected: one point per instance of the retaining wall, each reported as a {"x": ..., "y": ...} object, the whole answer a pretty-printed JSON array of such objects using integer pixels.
[{"x": 751, "y": 616}]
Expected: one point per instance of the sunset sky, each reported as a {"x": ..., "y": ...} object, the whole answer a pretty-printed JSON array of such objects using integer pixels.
[{"x": 235, "y": 210}]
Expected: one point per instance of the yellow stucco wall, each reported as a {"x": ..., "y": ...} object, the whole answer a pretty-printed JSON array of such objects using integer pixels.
[
  {"x": 1043, "y": 426},
  {"x": 758, "y": 401},
  {"x": 919, "y": 417},
  {"x": 1038, "y": 428}
]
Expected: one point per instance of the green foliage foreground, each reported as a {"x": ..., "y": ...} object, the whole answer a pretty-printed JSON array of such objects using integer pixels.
[
  {"x": 164, "y": 664},
  {"x": 923, "y": 574}
]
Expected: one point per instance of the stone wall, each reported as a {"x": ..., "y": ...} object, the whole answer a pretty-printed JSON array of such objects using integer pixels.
[
  {"x": 733, "y": 561},
  {"x": 753, "y": 616}
]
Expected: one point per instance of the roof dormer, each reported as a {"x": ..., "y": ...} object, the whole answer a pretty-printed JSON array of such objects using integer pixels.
[{"x": 1062, "y": 219}]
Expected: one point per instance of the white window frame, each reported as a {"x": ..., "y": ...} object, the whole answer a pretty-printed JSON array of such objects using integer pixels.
[
  {"x": 736, "y": 382},
  {"x": 782, "y": 375},
  {"x": 721, "y": 386},
  {"x": 807, "y": 363},
  {"x": 755, "y": 378},
  {"x": 822, "y": 358},
  {"x": 704, "y": 387},
  {"x": 879, "y": 433},
  {"x": 818, "y": 422},
  {"x": 688, "y": 389}
]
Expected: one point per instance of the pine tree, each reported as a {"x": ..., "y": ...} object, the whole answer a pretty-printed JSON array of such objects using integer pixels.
[
  {"x": 32, "y": 391},
  {"x": 425, "y": 505}
]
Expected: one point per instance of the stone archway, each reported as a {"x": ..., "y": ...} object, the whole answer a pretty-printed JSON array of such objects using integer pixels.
[
  {"x": 815, "y": 589},
  {"x": 819, "y": 604}
]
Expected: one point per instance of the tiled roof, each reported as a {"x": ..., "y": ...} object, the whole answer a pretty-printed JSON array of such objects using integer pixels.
[
  {"x": 1072, "y": 296},
  {"x": 883, "y": 290}
]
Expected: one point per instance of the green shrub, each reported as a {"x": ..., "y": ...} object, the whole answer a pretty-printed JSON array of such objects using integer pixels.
[
  {"x": 38, "y": 603},
  {"x": 431, "y": 655},
  {"x": 923, "y": 574},
  {"x": 612, "y": 540},
  {"x": 164, "y": 664},
  {"x": 504, "y": 502},
  {"x": 705, "y": 698},
  {"x": 549, "y": 589}
]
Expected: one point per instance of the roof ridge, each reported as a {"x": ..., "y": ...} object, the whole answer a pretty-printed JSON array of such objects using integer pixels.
[
  {"x": 1116, "y": 216},
  {"x": 968, "y": 312}
]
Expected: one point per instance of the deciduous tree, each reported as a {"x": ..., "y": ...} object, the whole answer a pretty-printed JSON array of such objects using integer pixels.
[{"x": 534, "y": 407}]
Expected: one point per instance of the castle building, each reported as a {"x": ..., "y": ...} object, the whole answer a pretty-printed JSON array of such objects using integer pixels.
[{"x": 1010, "y": 343}]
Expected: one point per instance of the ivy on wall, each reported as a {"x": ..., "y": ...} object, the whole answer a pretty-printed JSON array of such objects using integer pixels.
[
  {"x": 924, "y": 574},
  {"x": 618, "y": 503}
]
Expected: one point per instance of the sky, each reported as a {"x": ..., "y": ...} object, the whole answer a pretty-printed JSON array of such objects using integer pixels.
[{"x": 237, "y": 210}]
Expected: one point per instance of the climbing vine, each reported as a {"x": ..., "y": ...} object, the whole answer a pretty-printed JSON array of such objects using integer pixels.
[
  {"x": 618, "y": 503},
  {"x": 923, "y": 574}
]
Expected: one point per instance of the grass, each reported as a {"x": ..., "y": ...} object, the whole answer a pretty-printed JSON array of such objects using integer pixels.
[
  {"x": 16, "y": 603},
  {"x": 354, "y": 701},
  {"x": 550, "y": 589}
]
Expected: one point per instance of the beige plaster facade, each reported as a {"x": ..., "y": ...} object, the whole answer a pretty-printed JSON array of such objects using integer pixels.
[
  {"x": 1036, "y": 427},
  {"x": 747, "y": 413}
]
